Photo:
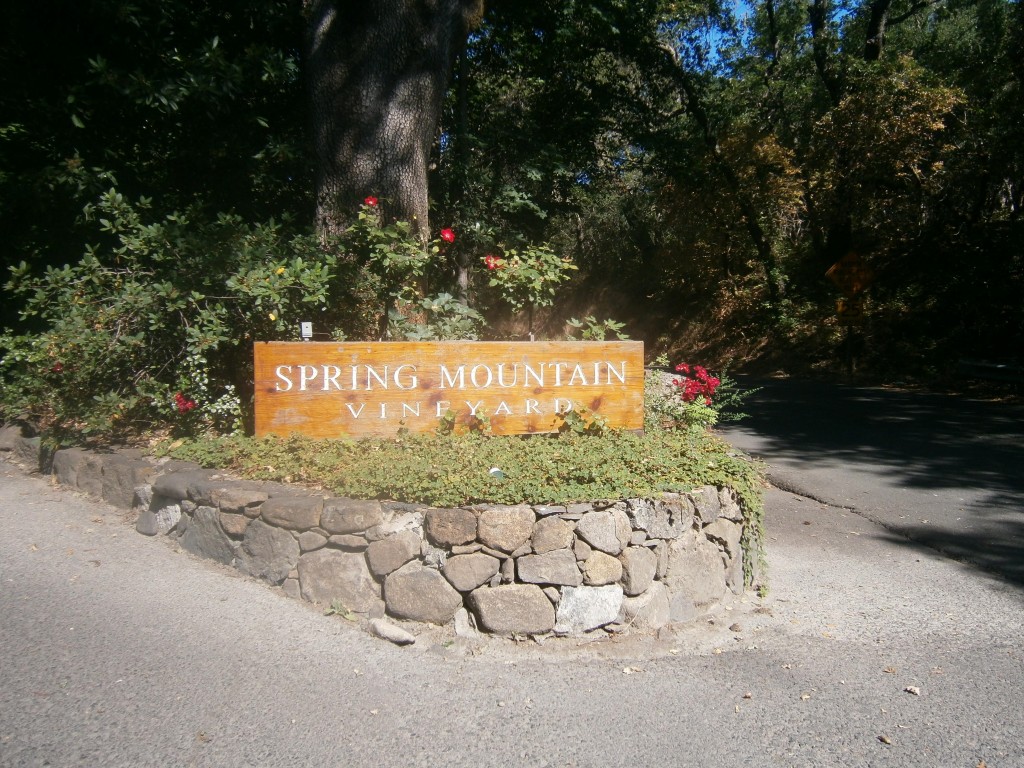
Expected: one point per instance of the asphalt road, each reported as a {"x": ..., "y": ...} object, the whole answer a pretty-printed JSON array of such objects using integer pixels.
[
  {"x": 943, "y": 470},
  {"x": 120, "y": 650}
]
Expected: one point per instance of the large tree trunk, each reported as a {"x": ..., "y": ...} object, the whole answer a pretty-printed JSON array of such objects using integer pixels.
[{"x": 377, "y": 73}]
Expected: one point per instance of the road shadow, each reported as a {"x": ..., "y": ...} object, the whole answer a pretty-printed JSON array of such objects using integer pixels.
[{"x": 921, "y": 441}]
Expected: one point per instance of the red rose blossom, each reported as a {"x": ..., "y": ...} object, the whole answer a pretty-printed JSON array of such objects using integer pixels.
[
  {"x": 448, "y": 235},
  {"x": 492, "y": 262},
  {"x": 370, "y": 201},
  {"x": 701, "y": 385},
  {"x": 183, "y": 404}
]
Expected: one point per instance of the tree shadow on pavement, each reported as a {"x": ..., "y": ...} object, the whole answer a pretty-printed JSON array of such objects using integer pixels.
[{"x": 907, "y": 440}]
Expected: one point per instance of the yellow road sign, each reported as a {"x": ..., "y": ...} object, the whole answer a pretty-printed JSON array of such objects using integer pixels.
[
  {"x": 851, "y": 274},
  {"x": 850, "y": 311}
]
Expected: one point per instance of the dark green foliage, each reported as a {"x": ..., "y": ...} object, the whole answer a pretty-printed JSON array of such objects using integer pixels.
[
  {"x": 170, "y": 305},
  {"x": 711, "y": 167},
  {"x": 182, "y": 102}
]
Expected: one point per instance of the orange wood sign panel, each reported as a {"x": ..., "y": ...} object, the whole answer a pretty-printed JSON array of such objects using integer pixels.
[{"x": 355, "y": 389}]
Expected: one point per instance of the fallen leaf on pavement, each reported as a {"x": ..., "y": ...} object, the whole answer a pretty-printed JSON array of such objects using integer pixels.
[{"x": 912, "y": 689}]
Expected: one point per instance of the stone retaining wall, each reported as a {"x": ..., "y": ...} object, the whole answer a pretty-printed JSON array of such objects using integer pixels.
[{"x": 507, "y": 570}]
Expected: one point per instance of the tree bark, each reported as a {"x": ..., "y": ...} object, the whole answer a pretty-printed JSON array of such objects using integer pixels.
[{"x": 377, "y": 74}]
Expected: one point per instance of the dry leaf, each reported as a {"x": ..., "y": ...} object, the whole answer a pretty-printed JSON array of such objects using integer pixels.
[
  {"x": 748, "y": 695},
  {"x": 805, "y": 696},
  {"x": 885, "y": 739},
  {"x": 890, "y": 670},
  {"x": 630, "y": 670},
  {"x": 912, "y": 689}
]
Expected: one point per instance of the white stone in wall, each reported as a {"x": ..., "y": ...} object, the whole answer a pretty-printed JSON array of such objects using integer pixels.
[{"x": 582, "y": 609}]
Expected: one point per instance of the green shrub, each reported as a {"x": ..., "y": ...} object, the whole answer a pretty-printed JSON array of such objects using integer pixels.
[
  {"x": 153, "y": 327},
  {"x": 690, "y": 400}
]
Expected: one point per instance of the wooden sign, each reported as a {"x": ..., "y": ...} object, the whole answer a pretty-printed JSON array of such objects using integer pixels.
[{"x": 374, "y": 389}]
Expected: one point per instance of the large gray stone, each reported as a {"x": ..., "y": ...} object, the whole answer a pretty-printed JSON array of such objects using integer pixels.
[
  {"x": 296, "y": 513},
  {"x": 706, "y": 503},
  {"x": 726, "y": 534},
  {"x": 203, "y": 536},
  {"x": 327, "y": 575},
  {"x": 682, "y": 608},
  {"x": 639, "y": 566},
  {"x": 465, "y": 624},
  {"x": 449, "y": 527},
  {"x": 600, "y": 569},
  {"x": 648, "y": 611},
  {"x": 734, "y": 574},
  {"x": 122, "y": 474},
  {"x": 395, "y": 521},
  {"x": 623, "y": 528},
  {"x": 350, "y": 515},
  {"x": 309, "y": 541},
  {"x": 520, "y": 609},
  {"x": 167, "y": 514},
  {"x": 156, "y": 514},
  {"x": 581, "y": 549},
  {"x": 78, "y": 468},
  {"x": 551, "y": 533},
  {"x": 583, "y": 609},
  {"x": 234, "y": 525},
  {"x": 21, "y": 444},
  {"x": 180, "y": 481},
  {"x": 730, "y": 505},
  {"x": 392, "y": 553},
  {"x": 267, "y": 552},
  {"x": 467, "y": 572},
  {"x": 237, "y": 497},
  {"x": 557, "y": 567},
  {"x": 505, "y": 528},
  {"x": 350, "y": 541},
  {"x": 696, "y": 570},
  {"x": 660, "y": 550},
  {"x": 600, "y": 530},
  {"x": 146, "y": 523},
  {"x": 420, "y": 594},
  {"x": 663, "y": 518}
]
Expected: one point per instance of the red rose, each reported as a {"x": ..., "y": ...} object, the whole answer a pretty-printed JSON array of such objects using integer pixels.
[
  {"x": 448, "y": 235},
  {"x": 370, "y": 201},
  {"x": 183, "y": 404}
]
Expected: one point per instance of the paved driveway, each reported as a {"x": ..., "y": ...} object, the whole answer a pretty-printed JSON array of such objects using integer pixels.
[
  {"x": 119, "y": 650},
  {"x": 944, "y": 471}
]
